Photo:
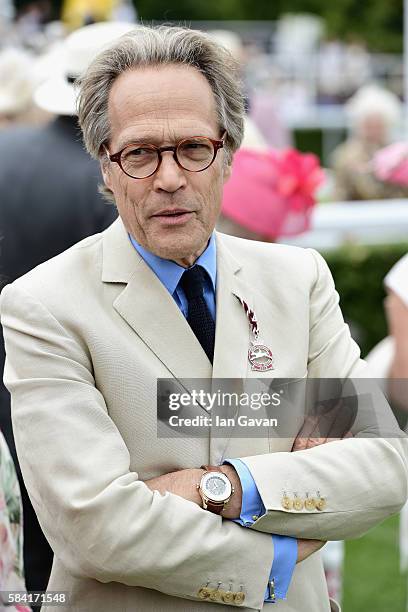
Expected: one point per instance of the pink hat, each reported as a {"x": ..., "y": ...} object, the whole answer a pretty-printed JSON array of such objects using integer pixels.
[
  {"x": 391, "y": 164},
  {"x": 272, "y": 192}
]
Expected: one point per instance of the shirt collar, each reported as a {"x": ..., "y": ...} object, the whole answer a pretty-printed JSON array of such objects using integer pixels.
[{"x": 170, "y": 273}]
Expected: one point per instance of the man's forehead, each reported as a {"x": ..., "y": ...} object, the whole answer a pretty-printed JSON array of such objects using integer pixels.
[
  {"x": 160, "y": 86},
  {"x": 153, "y": 104}
]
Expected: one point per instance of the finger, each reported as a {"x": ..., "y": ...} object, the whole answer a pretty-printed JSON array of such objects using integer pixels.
[
  {"x": 304, "y": 434},
  {"x": 312, "y": 442}
]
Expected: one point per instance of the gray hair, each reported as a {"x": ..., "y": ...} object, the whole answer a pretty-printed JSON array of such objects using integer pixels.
[{"x": 161, "y": 45}]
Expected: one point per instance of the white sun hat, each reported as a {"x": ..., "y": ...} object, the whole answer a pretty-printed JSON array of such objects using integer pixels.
[
  {"x": 16, "y": 82},
  {"x": 57, "y": 94}
]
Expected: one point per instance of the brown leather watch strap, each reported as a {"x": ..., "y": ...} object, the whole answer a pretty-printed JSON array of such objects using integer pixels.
[{"x": 215, "y": 507}]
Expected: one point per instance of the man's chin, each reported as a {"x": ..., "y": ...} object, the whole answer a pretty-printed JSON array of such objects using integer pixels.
[{"x": 181, "y": 250}]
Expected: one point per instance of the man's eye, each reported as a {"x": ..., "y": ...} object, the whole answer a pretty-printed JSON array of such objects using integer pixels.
[
  {"x": 191, "y": 146},
  {"x": 140, "y": 152}
]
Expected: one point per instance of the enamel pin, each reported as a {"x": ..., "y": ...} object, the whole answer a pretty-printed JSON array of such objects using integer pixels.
[{"x": 259, "y": 355}]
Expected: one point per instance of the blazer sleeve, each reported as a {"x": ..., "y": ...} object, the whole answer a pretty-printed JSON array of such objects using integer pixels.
[
  {"x": 101, "y": 520},
  {"x": 363, "y": 479}
]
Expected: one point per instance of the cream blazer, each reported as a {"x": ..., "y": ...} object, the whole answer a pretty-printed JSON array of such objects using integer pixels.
[{"x": 87, "y": 334}]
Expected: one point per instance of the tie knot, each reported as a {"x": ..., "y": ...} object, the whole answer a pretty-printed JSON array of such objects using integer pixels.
[{"x": 192, "y": 282}]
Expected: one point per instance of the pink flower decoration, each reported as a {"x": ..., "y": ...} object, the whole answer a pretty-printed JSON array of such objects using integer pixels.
[
  {"x": 299, "y": 175},
  {"x": 272, "y": 193},
  {"x": 391, "y": 164}
]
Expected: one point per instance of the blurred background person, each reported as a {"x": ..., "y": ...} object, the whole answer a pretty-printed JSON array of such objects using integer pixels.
[
  {"x": 49, "y": 201},
  {"x": 265, "y": 113},
  {"x": 396, "y": 307},
  {"x": 388, "y": 360},
  {"x": 342, "y": 69},
  {"x": 11, "y": 531},
  {"x": 254, "y": 133},
  {"x": 374, "y": 113}
]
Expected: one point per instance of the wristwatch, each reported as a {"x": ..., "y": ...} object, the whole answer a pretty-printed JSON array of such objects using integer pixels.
[{"x": 215, "y": 489}]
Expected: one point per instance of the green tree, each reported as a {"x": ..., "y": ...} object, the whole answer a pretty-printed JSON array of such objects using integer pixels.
[{"x": 379, "y": 23}]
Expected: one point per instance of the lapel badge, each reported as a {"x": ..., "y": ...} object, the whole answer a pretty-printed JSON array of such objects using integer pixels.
[{"x": 259, "y": 355}]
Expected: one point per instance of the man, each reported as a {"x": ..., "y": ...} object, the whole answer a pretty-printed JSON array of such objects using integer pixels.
[{"x": 89, "y": 333}]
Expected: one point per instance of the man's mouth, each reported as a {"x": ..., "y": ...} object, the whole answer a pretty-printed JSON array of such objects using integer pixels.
[
  {"x": 172, "y": 212},
  {"x": 173, "y": 216}
]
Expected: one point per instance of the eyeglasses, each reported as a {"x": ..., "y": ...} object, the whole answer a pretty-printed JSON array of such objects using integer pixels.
[{"x": 192, "y": 154}]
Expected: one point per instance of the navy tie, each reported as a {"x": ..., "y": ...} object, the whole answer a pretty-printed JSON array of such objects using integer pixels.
[{"x": 199, "y": 316}]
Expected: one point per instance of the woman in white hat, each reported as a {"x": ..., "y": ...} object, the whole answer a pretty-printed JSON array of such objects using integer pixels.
[{"x": 373, "y": 114}]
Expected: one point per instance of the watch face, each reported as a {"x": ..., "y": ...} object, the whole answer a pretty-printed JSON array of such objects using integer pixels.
[{"x": 216, "y": 486}]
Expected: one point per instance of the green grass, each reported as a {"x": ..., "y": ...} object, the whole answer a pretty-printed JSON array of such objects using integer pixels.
[{"x": 372, "y": 581}]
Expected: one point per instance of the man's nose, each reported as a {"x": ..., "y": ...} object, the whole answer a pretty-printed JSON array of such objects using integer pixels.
[{"x": 169, "y": 177}]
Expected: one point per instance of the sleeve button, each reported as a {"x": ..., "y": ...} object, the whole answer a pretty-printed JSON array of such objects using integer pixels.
[
  {"x": 310, "y": 503},
  {"x": 228, "y": 597},
  {"x": 204, "y": 593},
  {"x": 287, "y": 503},
  {"x": 216, "y": 595}
]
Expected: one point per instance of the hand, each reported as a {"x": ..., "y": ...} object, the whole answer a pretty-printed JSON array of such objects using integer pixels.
[
  {"x": 307, "y": 548},
  {"x": 325, "y": 427},
  {"x": 184, "y": 483}
]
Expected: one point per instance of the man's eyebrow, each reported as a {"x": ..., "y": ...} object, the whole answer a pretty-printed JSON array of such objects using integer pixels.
[
  {"x": 149, "y": 139},
  {"x": 140, "y": 139}
]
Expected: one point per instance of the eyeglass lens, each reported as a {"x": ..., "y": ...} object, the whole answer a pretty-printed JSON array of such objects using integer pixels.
[{"x": 194, "y": 154}]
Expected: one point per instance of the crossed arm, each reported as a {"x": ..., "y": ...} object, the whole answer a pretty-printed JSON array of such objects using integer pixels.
[{"x": 184, "y": 483}]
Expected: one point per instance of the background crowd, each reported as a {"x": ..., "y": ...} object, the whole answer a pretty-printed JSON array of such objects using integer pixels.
[{"x": 324, "y": 148}]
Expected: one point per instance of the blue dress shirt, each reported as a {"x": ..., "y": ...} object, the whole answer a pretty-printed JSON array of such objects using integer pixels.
[{"x": 285, "y": 548}]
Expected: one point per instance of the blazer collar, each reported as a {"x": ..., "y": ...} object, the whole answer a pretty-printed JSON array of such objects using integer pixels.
[{"x": 119, "y": 258}]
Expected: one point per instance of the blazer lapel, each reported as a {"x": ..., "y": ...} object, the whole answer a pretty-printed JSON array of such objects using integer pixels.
[
  {"x": 232, "y": 342},
  {"x": 148, "y": 308},
  {"x": 232, "y": 333}
]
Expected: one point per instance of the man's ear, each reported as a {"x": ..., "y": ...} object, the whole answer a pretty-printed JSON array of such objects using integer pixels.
[
  {"x": 226, "y": 172},
  {"x": 106, "y": 169}
]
